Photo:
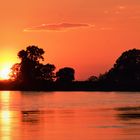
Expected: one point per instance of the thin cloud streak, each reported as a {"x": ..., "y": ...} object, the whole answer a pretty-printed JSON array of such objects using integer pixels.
[{"x": 57, "y": 27}]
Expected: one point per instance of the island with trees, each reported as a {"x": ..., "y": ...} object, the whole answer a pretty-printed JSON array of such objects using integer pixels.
[{"x": 32, "y": 74}]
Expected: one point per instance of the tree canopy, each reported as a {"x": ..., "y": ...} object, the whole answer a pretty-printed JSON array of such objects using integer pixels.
[
  {"x": 126, "y": 70},
  {"x": 30, "y": 68},
  {"x": 32, "y": 53}
]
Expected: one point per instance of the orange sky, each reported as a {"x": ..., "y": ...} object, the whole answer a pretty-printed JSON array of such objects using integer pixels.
[{"x": 87, "y": 35}]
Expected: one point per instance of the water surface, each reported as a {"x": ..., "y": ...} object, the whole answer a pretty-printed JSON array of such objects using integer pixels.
[{"x": 69, "y": 115}]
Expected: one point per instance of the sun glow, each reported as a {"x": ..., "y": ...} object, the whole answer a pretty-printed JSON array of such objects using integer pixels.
[{"x": 5, "y": 71}]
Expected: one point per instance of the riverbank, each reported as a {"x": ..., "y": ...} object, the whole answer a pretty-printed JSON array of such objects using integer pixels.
[{"x": 73, "y": 86}]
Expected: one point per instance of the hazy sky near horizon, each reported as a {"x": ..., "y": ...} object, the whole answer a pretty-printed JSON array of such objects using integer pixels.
[{"x": 87, "y": 35}]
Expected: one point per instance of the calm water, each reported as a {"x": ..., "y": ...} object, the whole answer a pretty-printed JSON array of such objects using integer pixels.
[{"x": 69, "y": 115}]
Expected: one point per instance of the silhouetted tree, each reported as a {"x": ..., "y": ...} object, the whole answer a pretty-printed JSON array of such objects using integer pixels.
[
  {"x": 30, "y": 68},
  {"x": 29, "y": 62},
  {"x": 126, "y": 70},
  {"x": 65, "y": 74}
]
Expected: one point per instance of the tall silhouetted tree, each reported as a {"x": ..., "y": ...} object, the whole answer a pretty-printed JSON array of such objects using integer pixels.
[
  {"x": 65, "y": 75},
  {"x": 30, "y": 68},
  {"x": 30, "y": 59}
]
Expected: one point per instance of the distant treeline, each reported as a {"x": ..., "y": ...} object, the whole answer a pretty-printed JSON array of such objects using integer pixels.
[{"x": 32, "y": 74}]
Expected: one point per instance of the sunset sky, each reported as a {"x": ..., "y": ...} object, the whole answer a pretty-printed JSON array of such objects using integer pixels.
[{"x": 87, "y": 35}]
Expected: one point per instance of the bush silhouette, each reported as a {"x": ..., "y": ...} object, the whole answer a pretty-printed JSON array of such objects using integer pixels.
[{"x": 65, "y": 74}]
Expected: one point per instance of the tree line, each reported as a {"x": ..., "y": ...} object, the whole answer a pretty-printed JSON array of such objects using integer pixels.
[{"x": 32, "y": 74}]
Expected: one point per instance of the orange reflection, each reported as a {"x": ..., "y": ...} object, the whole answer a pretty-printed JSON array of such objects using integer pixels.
[
  {"x": 5, "y": 97},
  {"x": 5, "y": 124},
  {"x": 5, "y": 116}
]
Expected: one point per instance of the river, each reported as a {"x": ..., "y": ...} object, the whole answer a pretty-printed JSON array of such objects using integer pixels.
[{"x": 69, "y": 115}]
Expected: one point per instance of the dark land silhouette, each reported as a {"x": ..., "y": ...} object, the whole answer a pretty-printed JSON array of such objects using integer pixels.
[{"x": 32, "y": 74}]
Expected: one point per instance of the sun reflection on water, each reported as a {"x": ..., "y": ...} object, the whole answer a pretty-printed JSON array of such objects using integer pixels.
[{"x": 5, "y": 116}]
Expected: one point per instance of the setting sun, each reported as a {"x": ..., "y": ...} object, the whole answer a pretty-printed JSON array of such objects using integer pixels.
[
  {"x": 4, "y": 72},
  {"x": 8, "y": 58}
]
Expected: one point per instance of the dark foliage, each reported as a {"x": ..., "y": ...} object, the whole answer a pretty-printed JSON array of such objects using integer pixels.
[
  {"x": 30, "y": 69},
  {"x": 125, "y": 72},
  {"x": 31, "y": 74},
  {"x": 15, "y": 71},
  {"x": 45, "y": 72},
  {"x": 65, "y": 74},
  {"x": 32, "y": 53}
]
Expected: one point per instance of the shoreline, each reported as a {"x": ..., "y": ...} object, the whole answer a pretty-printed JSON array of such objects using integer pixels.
[{"x": 72, "y": 86}]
